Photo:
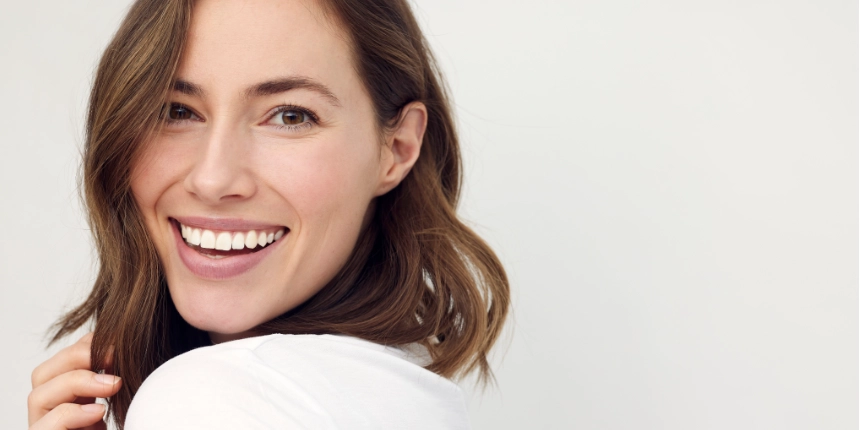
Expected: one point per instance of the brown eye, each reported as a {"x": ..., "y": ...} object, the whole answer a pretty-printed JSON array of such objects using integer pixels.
[
  {"x": 293, "y": 117},
  {"x": 176, "y": 112}
]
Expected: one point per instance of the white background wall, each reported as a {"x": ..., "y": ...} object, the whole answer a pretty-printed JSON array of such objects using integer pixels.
[{"x": 673, "y": 186}]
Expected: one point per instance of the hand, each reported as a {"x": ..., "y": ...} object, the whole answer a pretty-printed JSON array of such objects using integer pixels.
[{"x": 65, "y": 388}]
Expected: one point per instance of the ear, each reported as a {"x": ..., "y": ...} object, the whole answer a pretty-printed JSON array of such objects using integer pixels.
[{"x": 402, "y": 146}]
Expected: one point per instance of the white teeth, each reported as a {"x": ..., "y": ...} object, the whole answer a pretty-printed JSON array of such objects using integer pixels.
[
  {"x": 239, "y": 241},
  {"x": 207, "y": 240},
  {"x": 195, "y": 237},
  {"x": 251, "y": 240},
  {"x": 223, "y": 242},
  {"x": 261, "y": 239}
]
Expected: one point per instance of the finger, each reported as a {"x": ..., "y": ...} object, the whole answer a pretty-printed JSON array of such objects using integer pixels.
[
  {"x": 68, "y": 387},
  {"x": 70, "y": 416},
  {"x": 73, "y": 357}
]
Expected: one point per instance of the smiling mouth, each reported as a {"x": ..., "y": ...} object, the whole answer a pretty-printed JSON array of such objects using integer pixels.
[{"x": 218, "y": 244}]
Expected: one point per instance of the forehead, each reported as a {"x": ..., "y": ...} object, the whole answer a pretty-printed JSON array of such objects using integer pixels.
[{"x": 234, "y": 43}]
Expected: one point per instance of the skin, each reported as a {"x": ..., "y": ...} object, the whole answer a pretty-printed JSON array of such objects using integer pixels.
[
  {"x": 64, "y": 388},
  {"x": 229, "y": 156}
]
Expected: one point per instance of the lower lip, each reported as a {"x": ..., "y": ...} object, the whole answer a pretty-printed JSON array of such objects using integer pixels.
[{"x": 221, "y": 268}]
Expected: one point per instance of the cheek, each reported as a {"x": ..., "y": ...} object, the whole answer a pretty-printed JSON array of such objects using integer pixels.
[
  {"x": 330, "y": 178},
  {"x": 147, "y": 178},
  {"x": 160, "y": 166}
]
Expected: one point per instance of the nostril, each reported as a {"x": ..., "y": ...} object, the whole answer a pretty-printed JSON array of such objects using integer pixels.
[{"x": 220, "y": 178}]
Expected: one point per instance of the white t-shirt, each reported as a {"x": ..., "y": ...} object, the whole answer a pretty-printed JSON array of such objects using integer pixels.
[{"x": 297, "y": 382}]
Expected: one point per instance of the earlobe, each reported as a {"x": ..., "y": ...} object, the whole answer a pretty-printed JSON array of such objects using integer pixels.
[{"x": 403, "y": 146}]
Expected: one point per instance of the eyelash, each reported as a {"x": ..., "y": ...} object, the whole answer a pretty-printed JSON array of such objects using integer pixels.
[{"x": 312, "y": 117}]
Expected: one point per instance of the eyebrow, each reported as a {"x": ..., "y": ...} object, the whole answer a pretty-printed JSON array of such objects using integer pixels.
[{"x": 267, "y": 88}]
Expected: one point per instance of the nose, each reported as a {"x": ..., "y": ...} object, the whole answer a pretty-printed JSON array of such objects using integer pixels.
[{"x": 221, "y": 172}]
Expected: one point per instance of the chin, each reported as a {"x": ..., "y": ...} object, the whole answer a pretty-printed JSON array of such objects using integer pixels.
[
  {"x": 229, "y": 292},
  {"x": 216, "y": 313}
]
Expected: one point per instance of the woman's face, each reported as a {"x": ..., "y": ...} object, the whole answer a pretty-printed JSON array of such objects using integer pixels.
[{"x": 257, "y": 188}]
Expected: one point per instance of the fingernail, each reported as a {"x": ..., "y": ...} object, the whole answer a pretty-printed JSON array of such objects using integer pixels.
[
  {"x": 107, "y": 379},
  {"x": 93, "y": 408}
]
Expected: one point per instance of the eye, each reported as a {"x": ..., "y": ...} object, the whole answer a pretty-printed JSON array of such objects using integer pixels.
[
  {"x": 175, "y": 112},
  {"x": 292, "y": 117}
]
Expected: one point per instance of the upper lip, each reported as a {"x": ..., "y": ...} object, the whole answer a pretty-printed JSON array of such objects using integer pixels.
[{"x": 236, "y": 224}]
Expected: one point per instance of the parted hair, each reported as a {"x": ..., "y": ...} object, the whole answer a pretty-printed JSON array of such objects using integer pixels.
[{"x": 417, "y": 274}]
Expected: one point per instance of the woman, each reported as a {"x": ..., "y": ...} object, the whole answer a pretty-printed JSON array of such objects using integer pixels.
[{"x": 282, "y": 175}]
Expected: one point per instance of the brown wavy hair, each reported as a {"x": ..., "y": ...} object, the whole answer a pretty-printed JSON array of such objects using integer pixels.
[{"x": 417, "y": 274}]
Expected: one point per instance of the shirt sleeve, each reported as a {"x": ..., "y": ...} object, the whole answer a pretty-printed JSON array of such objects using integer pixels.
[
  {"x": 296, "y": 382},
  {"x": 218, "y": 389}
]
